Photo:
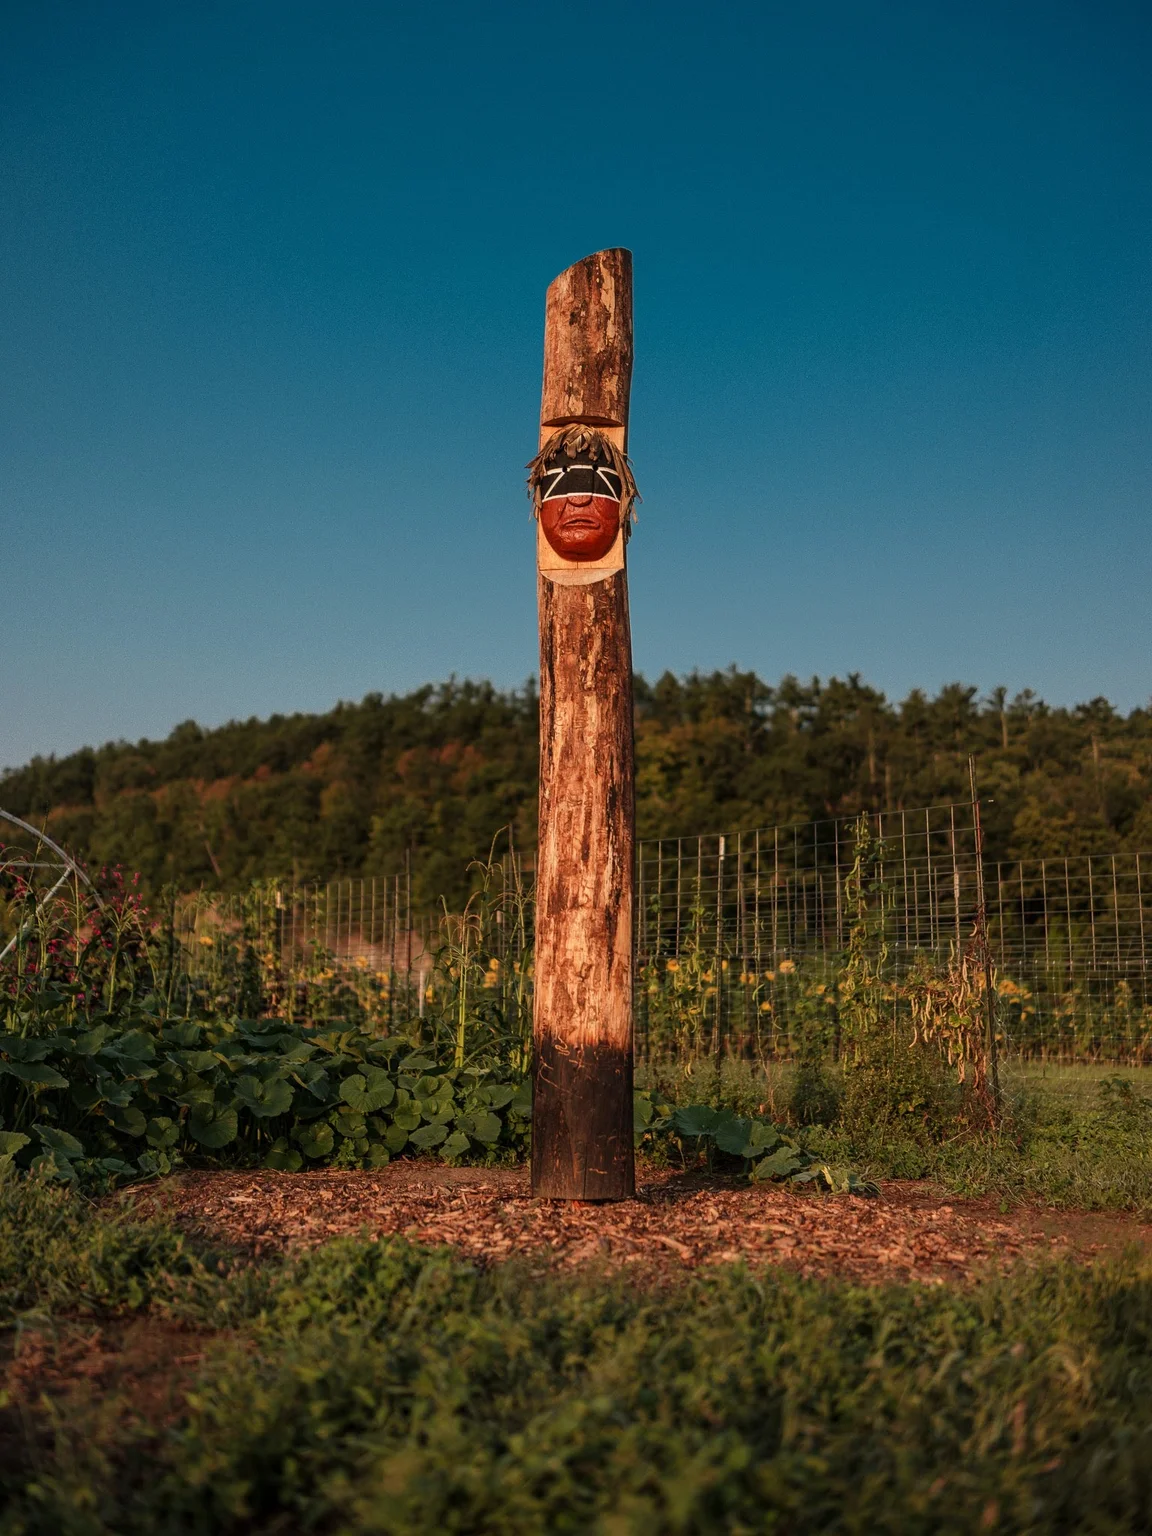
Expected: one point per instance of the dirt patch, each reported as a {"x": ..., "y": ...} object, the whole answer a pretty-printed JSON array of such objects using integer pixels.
[{"x": 910, "y": 1232}]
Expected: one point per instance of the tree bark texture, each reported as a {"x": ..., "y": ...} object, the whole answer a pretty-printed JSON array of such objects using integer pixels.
[
  {"x": 582, "y": 1090},
  {"x": 588, "y": 343},
  {"x": 582, "y": 1116}
]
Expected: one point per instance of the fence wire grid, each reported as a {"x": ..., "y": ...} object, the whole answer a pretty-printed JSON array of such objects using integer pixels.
[{"x": 759, "y": 916}]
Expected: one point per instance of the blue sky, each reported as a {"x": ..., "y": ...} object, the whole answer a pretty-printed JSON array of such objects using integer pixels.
[{"x": 273, "y": 280}]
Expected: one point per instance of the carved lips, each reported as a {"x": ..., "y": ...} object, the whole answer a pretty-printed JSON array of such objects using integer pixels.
[{"x": 580, "y": 505}]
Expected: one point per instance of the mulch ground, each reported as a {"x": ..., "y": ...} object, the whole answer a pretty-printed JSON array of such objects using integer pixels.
[
  {"x": 141, "y": 1367},
  {"x": 676, "y": 1222}
]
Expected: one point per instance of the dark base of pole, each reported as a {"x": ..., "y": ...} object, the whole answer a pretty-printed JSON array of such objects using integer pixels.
[{"x": 582, "y": 1123}]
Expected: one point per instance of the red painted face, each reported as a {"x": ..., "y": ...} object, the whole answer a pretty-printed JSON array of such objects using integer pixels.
[{"x": 580, "y": 507}]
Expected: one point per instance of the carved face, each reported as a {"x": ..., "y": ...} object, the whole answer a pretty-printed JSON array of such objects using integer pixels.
[{"x": 580, "y": 506}]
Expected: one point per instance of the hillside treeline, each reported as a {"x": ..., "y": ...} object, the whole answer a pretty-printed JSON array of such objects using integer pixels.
[{"x": 440, "y": 770}]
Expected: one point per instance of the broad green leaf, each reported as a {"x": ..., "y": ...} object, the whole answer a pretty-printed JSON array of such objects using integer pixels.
[
  {"x": 297, "y": 1054},
  {"x": 10, "y": 1143},
  {"x": 782, "y": 1163},
  {"x": 456, "y": 1145},
  {"x": 59, "y": 1141},
  {"x": 113, "y": 1091},
  {"x": 695, "y": 1120},
  {"x": 129, "y": 1120},
  {"x": 428, "y": 1136},
  {"x": 168, "y": 1080},
  {"x": 27, "y": 1047},
  {"x": 732, "y": 1136},
  {"x": 498, "y": 1096},
  {"x": 763, "y": 1137},
  {"x": 117, "y": 1167},
  {"x": 522, "y": 1100},
  {"x": 90, "y": 1041},
  {"x": 263, "y": 1099},
  {"x": 37, "y": 1072},
  {"x": 315, "y": 1140},
  {"x": 407, "y": 1119},
  {"x": 485, "y": 1126},
  {"x": 212, "y": 1126},
  {"x": 368, "y": 1090},
  {"x": 55, "y": 1165},
  {"x": 378, "y": 1156},
  {"x": 162, "y": 1132},
  {"x": 349, "y": 1122},
  {"x": 396, "y": 1138},
  {"x": 133, "y": 1045},
  {"x": 284, "y": 1157},
  {"x": 185, "y": 1035},
  {"x": 416, "y": 1063},
  {"x": 198, "y": 1061},
  {"x": 195, "y": 1091}
]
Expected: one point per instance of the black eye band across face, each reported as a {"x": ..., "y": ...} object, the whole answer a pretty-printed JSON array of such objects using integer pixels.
[{"x": 579, "y": 477}]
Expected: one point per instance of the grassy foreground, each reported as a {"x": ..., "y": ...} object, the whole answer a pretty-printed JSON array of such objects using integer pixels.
[{"x": 381, "y": 1387}]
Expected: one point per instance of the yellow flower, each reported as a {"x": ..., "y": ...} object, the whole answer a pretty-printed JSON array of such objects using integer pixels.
[
  {"x": 361, "y": 962},
  {"x": 765, "y": 1007},
  {"x": 673, "y": 965},
  {"x": 206, "y": 939},
  {"x": 787, "y": 967},
  {"x": 769, "y": 975}
]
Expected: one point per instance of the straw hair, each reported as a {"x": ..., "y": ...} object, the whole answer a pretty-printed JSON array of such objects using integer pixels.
[{"x": 579, "y": 438}]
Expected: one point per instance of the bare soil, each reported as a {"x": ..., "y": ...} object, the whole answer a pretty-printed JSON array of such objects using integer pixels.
[{"x": 678, "y": 1221}]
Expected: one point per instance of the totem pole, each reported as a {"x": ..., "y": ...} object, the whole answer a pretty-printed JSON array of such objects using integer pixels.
[{"x": 583, "y": 491}]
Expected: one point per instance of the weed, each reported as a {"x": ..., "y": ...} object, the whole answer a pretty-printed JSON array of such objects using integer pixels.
[{"x": 374, "y": 1387}]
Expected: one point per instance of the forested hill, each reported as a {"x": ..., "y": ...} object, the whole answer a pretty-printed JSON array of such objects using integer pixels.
[{"x": 441, "y": 769}]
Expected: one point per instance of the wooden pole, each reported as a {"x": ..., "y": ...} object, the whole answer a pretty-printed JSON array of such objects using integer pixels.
[{"x": 582, "y": 1024}]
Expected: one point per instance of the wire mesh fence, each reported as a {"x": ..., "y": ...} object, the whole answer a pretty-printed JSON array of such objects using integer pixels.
[
  {"x": 763, "y": 918},
  {"x": 740, "y": 936}
]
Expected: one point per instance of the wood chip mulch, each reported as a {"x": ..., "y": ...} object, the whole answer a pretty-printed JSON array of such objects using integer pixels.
[{"x": 676, "y": 1222}]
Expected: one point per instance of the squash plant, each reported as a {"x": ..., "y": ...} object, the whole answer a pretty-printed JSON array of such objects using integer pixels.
[
  {"x": 138, "y": 1096},
  {"x": 763, "y": 1151}
]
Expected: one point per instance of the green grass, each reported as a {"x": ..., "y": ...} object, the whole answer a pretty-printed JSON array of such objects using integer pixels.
[
  {"x": 381, "y": 1387},
  {"x": 1078, "y": 1085},
  {"x": 1072, "y": 1137}
]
